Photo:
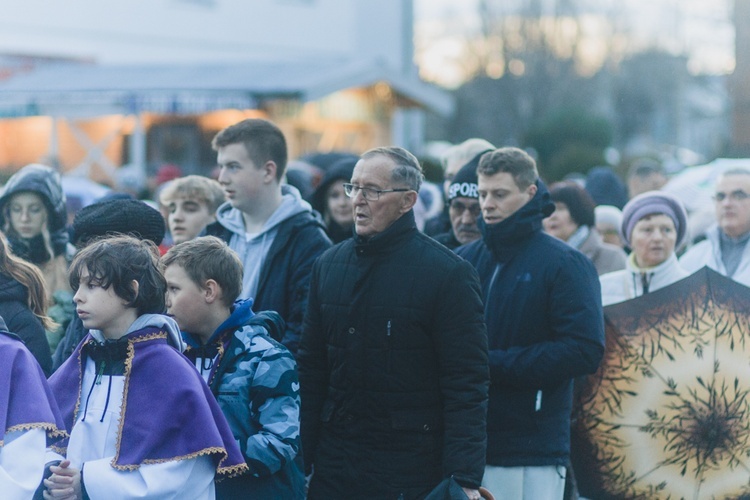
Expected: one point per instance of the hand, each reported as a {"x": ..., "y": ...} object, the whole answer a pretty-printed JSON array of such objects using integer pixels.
[
  {"x": 64, "y": 483},
  {"x": 472, "y": 494}
]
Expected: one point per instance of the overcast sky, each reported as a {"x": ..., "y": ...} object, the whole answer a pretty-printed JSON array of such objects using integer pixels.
[{"x": 700, "y": 29}]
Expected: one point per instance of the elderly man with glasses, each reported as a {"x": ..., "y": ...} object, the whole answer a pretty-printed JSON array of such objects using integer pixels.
[
  {"x": 393, "y": 357},
  {"x": 725, "y": 248}
]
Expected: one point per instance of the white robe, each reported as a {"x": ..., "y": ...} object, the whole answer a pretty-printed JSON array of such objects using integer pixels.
[{"x": 22, "y": 463}]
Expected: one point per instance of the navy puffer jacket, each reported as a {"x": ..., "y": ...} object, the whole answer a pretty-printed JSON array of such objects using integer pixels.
[
  {"x": 544, "y": 326},
  {"x": 394, "y": 343}
]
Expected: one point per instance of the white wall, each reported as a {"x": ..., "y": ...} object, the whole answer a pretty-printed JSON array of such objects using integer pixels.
[{"x": 150, "y": 31}]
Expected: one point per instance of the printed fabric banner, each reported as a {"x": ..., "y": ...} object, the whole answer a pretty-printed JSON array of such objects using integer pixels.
[{"x": 668, "y": 415}]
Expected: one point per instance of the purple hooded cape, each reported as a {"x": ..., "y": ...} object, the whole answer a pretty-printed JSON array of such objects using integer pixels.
[
  {"x": 168, "y": 412},
  {"x": 25, "y": 398}
]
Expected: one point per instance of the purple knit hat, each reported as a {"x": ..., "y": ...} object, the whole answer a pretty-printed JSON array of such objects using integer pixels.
[{"x": 651, "y": 203}]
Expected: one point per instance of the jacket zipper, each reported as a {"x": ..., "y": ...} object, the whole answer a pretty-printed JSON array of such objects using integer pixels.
[{"x": 388, "y": 346}]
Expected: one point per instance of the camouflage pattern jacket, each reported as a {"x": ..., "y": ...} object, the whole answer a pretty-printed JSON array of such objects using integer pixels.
[{"x": 254, "y": 378}]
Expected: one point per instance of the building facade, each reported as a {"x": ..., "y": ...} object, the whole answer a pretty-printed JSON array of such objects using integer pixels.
[{"x": 101, "y": 84}]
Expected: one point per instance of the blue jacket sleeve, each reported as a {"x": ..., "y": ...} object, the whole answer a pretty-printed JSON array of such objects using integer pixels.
[
  {"x": 310, "y": 245},
  {"x": 274, "y": 408},
  {"x": 575, "y": 345}
]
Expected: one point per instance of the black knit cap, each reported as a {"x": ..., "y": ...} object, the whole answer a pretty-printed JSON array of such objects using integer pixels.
[
  {"x": 464, "y": 184},
  {"x": 122, "y": 216}
]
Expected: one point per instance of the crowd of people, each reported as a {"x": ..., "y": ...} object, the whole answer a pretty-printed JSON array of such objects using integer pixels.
[{"x": 241, "y": 340}]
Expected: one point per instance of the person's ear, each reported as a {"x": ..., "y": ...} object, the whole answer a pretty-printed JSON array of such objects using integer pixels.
[
  {"x": 531, "y": 190},
  {"x": 211, "y": 291},
  {"x": 269, "y": 171},
  {"x": 135, "y": 286},
  {"x": 408, "y": 200}
]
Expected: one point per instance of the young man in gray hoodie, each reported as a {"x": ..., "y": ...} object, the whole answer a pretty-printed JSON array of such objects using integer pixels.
[{"x": 273, "y": 230}]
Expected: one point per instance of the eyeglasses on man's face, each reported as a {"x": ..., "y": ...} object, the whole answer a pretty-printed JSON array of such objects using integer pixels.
[
  {"x": 369, "y": 194},
  {"x": 737, "y": 195}
]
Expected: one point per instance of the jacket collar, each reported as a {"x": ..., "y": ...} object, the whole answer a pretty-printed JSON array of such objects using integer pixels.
[
  {"x": 401, "y": 229},
  {"x": 505, "y": 238},
  {"x": 666, "y": 266}
]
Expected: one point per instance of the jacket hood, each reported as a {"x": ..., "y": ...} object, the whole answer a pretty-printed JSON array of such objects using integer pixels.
[
  {"x": 267, "y": 322},
  {"x": 44, "y": 181},
  {"x": 242, "y": 312},
  {"x": 291, "y": 205},
  {"x": 504, "y": 237},
  {"x": 340, "y": 171},
  {"x": 152, "y": 320}
]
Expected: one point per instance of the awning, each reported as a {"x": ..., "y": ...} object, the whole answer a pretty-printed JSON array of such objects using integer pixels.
[{"x": 77, "y": 90}]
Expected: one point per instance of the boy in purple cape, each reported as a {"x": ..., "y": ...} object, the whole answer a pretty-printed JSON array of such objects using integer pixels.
[
  {"x": 29, "y": 415},
  {"x": 141, "y": 420}
]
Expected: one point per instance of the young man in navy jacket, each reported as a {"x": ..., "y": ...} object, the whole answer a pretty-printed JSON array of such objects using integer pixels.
[{"x": 544, "y": 325}]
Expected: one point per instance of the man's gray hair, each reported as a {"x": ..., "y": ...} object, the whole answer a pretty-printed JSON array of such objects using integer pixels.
[
  {"x": 735, "y": 171},
  {"x": 407, "y": 172}
]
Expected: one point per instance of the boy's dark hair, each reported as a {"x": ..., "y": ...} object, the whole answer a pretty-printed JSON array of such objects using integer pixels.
[
  {"x": 513, "y": 161},
  {"x": 118, "y": 260},
  {"x": 209, "y": 258},
  {"x": 263, "y": 141}
]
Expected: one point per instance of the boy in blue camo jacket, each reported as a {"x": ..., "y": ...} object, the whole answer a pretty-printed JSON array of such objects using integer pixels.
[{"x": 253, "y": 377}]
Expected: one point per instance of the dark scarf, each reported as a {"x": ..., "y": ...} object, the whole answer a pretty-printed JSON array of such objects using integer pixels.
[
  {"x": 34, "y": 250},
  {"x": 507, "y": 237},
  {"x": 108, "y": 357}
]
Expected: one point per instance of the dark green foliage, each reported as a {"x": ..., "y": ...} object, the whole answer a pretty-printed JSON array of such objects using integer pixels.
[{"x": 569, "y": 140}]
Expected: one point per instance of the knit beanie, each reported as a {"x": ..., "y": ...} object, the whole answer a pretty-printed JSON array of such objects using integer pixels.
[
  {"x": 605, "y": 187},
  {"x": 608, "y": 214},
  {"x": 652, "y": 203},
  {"x": 464, "y": 184},
  {"x": 124, "y": 216}
]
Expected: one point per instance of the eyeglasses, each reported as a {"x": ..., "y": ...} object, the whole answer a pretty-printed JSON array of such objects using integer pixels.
[
  {"x": 473, "y": 208},
  {"x": 369, "y": 194},
  {"x": 738, "y": 195}
]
